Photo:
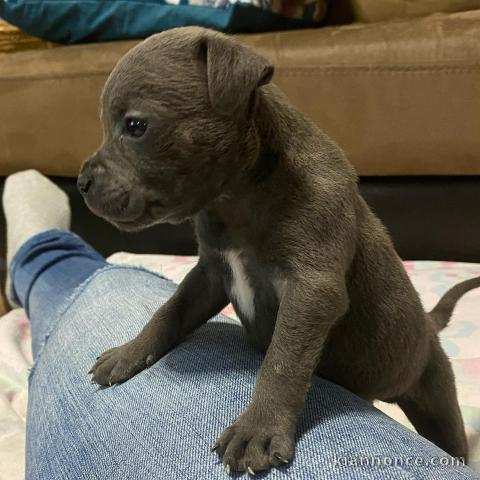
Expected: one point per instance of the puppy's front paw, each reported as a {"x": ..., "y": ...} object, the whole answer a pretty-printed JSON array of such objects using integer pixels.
[
  {"x": 121, "y": 363},
  {"x": 255, "y": 443}
]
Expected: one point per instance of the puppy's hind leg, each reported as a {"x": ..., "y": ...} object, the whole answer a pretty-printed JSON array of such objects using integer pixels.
[{"x": 432, "y": 406}]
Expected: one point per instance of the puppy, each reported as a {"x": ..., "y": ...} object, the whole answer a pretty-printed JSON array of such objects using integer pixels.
[{"x": 193, "y": 129}]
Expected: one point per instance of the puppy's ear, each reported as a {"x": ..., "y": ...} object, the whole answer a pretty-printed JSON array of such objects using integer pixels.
[{"x": 233, "y": 72}]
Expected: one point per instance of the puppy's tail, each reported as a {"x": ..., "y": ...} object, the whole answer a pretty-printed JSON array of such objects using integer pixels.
[{"x": 443, "y": 310}]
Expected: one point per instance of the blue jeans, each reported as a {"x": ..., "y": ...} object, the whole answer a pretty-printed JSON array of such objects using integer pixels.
[{"x": 161, "y": 423}]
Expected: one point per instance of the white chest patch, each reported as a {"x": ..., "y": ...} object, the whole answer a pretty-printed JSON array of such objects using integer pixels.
[
  {"x": 241, "y": 289},
  {"x": 280, "y": 285}
]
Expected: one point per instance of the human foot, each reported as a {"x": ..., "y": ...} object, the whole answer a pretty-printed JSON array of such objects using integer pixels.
[{"x": 32, "y": 204}]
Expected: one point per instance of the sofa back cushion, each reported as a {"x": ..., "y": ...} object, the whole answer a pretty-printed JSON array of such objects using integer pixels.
[{"x": 348, "y": 11}]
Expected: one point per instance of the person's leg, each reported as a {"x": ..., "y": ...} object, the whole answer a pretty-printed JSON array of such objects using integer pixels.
[
  {"x": 46, "y": 262},
  {"x": 32, "y": 204},
  {"x": 162, "y": 423},
  {"x": 45, "y": 272}
]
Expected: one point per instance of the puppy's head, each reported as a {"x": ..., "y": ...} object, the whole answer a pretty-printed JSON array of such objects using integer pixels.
[{"x": 177, "y": 122}]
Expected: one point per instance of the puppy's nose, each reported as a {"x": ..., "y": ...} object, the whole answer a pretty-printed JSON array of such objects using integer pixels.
[{"x": 84, "y": 182}]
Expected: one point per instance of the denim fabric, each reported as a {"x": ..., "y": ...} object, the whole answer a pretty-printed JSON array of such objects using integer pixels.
[
  {"x": 63, "y": 261},
  {"x": 161, "y": 423}
]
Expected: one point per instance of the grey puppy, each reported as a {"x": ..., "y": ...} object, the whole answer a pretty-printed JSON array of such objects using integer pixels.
[{"x": 193, "y": 129}]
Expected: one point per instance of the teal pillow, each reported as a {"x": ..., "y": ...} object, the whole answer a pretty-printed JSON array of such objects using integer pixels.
[{"x": 74, "y": 21}]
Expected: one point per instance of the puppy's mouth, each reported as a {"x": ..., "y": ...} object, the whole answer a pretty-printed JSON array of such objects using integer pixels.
[
  {"x": 127, "y": 226},
  {"x": 132, "y": 211},
  {"x": 151, "y": 216}
]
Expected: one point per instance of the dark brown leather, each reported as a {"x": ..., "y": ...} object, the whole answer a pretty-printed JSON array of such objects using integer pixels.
[
  {"x": 402, "y": 97},
  {"x": 430, "y": 218}
]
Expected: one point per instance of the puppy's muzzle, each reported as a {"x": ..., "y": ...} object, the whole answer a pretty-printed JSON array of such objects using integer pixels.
[
  {"x": 107, "y": 195},
  {"x": 84, "y": 182},
  {"x": 87, "y": 174}
]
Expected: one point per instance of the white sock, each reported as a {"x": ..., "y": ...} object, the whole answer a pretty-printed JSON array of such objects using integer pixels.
[{"x": 32, "y": 204}]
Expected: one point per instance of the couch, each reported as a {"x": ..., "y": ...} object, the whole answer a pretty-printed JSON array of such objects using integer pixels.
[{"x": 395, "y": 83}]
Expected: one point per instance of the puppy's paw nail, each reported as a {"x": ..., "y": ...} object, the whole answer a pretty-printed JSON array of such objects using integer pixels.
[
  {"x": 149, "y": 360},
  {"x": 250, "y": 471},
  {"x": 284, "y": 460},
  {"x": 214, "y": 447},
  {"x": 98, "y": 358},
  {"x": 110, "y": 382},
  {"x": 90, "y": 371},
  {"x": 227, "y": 469}
]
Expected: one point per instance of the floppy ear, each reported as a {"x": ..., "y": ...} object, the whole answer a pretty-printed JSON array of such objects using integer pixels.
[{"x": 233, "y": 72}]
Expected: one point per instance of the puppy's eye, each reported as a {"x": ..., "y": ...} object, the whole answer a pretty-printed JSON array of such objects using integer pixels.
[{"x": 135, "y": 127}]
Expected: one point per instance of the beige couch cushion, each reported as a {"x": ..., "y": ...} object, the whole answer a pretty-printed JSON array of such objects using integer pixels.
[
  {"x": 402, "y": 98},
  {"x": 347, "y": 11}
]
